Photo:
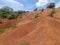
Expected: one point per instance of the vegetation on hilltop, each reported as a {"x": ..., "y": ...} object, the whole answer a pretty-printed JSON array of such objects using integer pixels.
[
  {"x": 53, "y": 11},
  {"x": 51, "y": 5},
  {"x": 9, "y": 13}
]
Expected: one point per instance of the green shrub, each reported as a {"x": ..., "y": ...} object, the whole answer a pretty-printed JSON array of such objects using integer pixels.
[
  {"x": 14, "y": 26},
  {"x": 52, "y": 12},
  {"x": 5, "y": 11},
  {"x": 25, "y": 43},
  {"x": 51, "y": 5},
  {"x": 9, "y": 13},
  {"x": 37, "y": 15},
  {"x": 42, "y": 10},
  {"x": 35, "y": 9},
  {"x": 1, "y": 31},
  {"x": 1, "y": 21}
]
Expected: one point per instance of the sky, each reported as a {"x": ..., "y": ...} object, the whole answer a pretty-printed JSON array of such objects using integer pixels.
[{"x": 27, "y": 5}]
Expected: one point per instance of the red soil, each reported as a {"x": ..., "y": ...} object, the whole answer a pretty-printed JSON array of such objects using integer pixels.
[
  {"x": 44, "y": 30},
  {"x": 9, "y": 23}
]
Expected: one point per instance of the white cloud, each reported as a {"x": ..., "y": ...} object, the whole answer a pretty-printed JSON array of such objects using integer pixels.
[
  {"x": 51, "y": 1},
  {"x": 57, "y": 4},
  {"x": 43, "y": 2}
]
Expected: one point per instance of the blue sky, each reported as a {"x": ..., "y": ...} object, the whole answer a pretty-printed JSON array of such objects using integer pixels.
[{"x": 27, "y": 5}]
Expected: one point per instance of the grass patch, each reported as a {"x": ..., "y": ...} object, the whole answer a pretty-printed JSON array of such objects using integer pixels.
[
  {"x": 25, "y": 43},
  {"x": 52, "y": 12},
  {"x": 3, "y": 30},
  {"x": 14, "y": 26},
  {"x": 1, "y": 21},
  {"x": 37, "y": 15}
]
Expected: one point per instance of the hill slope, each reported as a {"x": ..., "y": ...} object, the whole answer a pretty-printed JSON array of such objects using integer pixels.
[{"x": 44, "y": 30}]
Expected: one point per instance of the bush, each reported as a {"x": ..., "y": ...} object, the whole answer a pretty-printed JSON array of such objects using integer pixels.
[
  {"x": 37, "y": 15},
  {"x": 25, "y": 43},
  {"x": 1, "y": 21},
  {"x": 51, "y": 5},
  {"x": 12, "y": 17},
  {"x": 42, "y": 10},
  {"x": 52, "y": 12},
  {"x": 1, "y": 31},
  {"x": 9, "y": 13},
  {"x": 35, "y": 9},
  {"x": 14, "y": 26},
  {"x": 20, "y": 11},
  {"x": 5, "y": 11},
  {"x": 20, "y": 16}
]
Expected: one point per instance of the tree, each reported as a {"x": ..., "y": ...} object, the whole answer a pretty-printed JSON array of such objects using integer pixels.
[
  {"x": 51, "y": 5},
  {"x": 42, "y": 10},
  {"x": 6, "y": 8},
  {"x": 9, "y": 13},
  {"x": 5, "y": 11},
  {"x": 35, "y": 9},
  {"x": 53, "y": 11},
  {"x": 21, "y": 11}
]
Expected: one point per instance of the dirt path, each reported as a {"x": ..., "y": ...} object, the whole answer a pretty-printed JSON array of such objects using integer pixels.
[{"x": 23, "y": 22}]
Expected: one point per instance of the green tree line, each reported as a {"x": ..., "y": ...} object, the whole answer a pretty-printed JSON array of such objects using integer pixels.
[{"x": 9, "y": 13}]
